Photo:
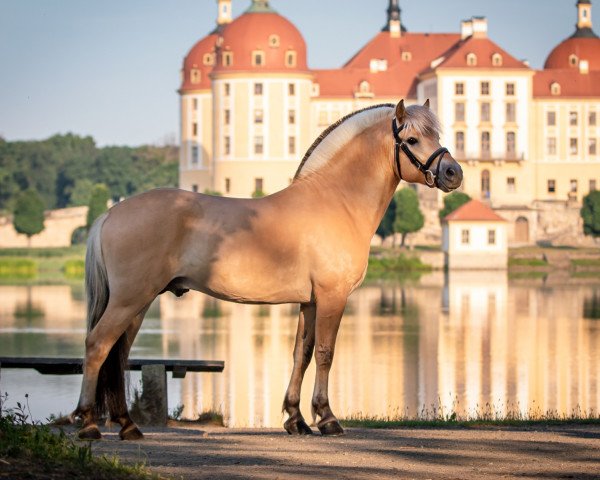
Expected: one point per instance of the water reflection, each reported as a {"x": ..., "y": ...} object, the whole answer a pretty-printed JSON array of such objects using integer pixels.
[{"x": 456, "y": 342}]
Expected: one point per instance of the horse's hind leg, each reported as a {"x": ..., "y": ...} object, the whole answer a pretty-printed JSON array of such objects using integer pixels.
[
  {"x": 303, "y": 350},
  {"x": 118, "y": 408},
  {"x": 329, "y": 315}
]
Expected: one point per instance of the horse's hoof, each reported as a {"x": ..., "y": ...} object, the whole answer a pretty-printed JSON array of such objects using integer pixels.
[
  {"x": 90, "y": 433},
  {"x": 297, "y": 428},
  {"x": 331, "y": 429},
  {"x": 131, "y": 432}
]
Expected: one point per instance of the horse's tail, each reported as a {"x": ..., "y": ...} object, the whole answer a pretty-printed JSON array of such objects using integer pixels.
[{"x": 110, "y": 388}]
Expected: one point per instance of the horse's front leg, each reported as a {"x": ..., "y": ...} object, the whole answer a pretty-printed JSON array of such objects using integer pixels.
[
  {"x": 303, "y": 350},
  {"x": 328, "y": 318}
]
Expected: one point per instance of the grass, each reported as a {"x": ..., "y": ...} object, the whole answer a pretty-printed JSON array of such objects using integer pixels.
[
  {"x": 487, "y": 416},
  {"x": 21, "y": 268},
  {"x": 29, "y": 450},
  {"x": 397, "y": 263},
  {"x": 45, "y": 265},
  {"x": 74, "y": 268},
  {"x": 527, "y": 262},
  {"x": 586, "y": 262}
]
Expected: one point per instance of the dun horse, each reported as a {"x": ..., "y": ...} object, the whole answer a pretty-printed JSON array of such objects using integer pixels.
[{"x": 307, "y": 244}]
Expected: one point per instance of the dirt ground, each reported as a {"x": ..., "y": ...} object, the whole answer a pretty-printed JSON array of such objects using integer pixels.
[{"x": 194, "y": 452}]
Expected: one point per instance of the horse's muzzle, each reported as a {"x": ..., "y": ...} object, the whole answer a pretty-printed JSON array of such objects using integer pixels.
[{"x": 450, "y": 175}]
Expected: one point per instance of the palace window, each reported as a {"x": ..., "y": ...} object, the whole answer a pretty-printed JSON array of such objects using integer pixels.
[
  {"x": 460, "y": 143},
  {"x": 226, "y": 89},
  {"x": 273, "y": 41},
  {"x": 511, "y": 148},
  {"x": 555, "y": 88},
  {"x": 227, "y": 145},
  {"x": 573, "y": 186},
  {"x": 491, "y": 237},
  {"x": 459, "y": 112},
  {"x": 573, "y": 119},
  {"x": 592, "y": 119},
  {"x": 195, "y": 155},
  {"x": 291, "y": 89},
  {"x": 459, "y": 88},
  {"x": 208, "y": 59},
  {"x": 258, "y": 185},
  {"x": 573, "y": 60},
  {"x": 485, "y": 88},
  {"x": 592, "y": 146},
  {"x": 292, "y": 145},
  {"x": 258, "y": 116},
  {"x": 592, "y": 185},
  {"x": 195, "y": 75},
  {"x": 364, "y": 87},
  {"x": 227, "y": 59},
  {"x": 485, "y": 144},
  {"x": 227, "y": 185},
  {"x": 227, "y": 116},
  {"x": 497, "y": 60},
  {"x": 510, "y": 89},
  {"x": 511, "y": 112},
  {"x": 471, "y": 60},
  {"x": 258, "y": 58},
  {"x": 258, "y": 89},
  {"x": 292, "y": 117},
  {"x": 551, "y": 119},
  {"x": 573, "y": 146},
  {"x": 464, "y": 234},
  {"x": 290, "y": 59},
  {"x": 551, "y": 145},
  {"x": 406, "y": 56},
  {"x": 511, "y": 185},
  {"x": 194, "y": 104},
  {"x": 195, "y": 188},
  {"x": 485, "y": 184},
  {"x": 194, "y": 129},
  {"x": 258, "y": 145},
  {"x": 485, "y": 112},
  {"x": 551, "y": 186}
]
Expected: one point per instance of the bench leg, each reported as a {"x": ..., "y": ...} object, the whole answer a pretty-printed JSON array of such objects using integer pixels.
[{"x": 154, "y": 401}]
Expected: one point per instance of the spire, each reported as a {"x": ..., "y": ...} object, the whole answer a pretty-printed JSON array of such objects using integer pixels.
[
  {"x": 394, "y": 24},
  {"x": 224, "y": 16},
  {"x": 260, "y": 6},
  {"x": 584, "y": 20}
]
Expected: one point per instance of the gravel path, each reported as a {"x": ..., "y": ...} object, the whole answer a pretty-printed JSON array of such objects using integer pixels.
[{"x": 195, "y": 452}]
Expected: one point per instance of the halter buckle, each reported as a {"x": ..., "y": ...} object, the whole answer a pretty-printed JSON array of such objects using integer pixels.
[{"x": 429, "y": 178}]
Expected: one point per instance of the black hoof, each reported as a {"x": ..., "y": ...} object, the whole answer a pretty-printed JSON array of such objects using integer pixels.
[
  {"x": 90, "y": 433},
  {"x": 331, "y": 429},
  {"x": 297, "y": 428},
  {"x": 131, "y": 432}
]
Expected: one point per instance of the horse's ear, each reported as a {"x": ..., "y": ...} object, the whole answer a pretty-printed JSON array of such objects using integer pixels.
[
  {"x": 426, "y": 104},
  {"x": 400, "y": 111}
]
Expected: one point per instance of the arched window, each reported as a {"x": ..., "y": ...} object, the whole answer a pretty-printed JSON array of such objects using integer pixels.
[
  {"x": 195, "y": 75},
  {"x": 208, "y": 59},
  {"x": 258, "y": 58},
  {"x": 364, "y": 87},
  {"x": 290, "y": 59},
  {"x": 471, "y": 59},
  {"x": 485, "y": 184},
  {"x": 522, "y": 230},
  {"x": 406, "y": 56},
  {"x": 555, "y": 88},
  {"x": 573, "y": 60},
  {"x": 497, "y": 60}
]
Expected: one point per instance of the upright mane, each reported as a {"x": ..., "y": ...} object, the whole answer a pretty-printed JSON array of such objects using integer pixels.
[{"x": 337, "y": 135}]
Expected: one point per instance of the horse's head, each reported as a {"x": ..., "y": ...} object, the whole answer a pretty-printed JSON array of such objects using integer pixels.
[{"x": 419, "y": 157}]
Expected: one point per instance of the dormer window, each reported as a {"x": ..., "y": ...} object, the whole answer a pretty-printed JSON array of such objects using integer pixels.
[
  {"x": 227, "y": 59},
  {"x": 555, "y": 88},
  {"x": 497, "y": 60},
  {"x": 378, "y": 65},
  {"x": 364, "y": 87},
  {"x": 471, "y": 59},
  {"x": 315, "y": 90},
  {"x": 290, "y": 59},
  {"x": 274, "y": 41},
  {"x": 195, "y": 75},
  {"x": 406, "y": 56},
  {"x": 573, "y": 60},
  {"x": 208, "y": 59},
  {"x": 258, "y": 58}
]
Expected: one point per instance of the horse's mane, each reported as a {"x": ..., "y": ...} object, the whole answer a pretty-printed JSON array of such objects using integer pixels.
[
  {"x": 419, "y": 118},
  {"x": 320, "y": 156}
]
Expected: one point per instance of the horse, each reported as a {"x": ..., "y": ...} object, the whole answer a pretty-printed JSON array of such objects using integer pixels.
[{"x": 306, "y": 244}]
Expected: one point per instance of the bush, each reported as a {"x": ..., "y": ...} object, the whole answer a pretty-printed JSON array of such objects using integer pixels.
[
  {"x": 17, "y": 268},
  {"x": 452, "y": 202},
  {"x": 98, "y": 203},
  {"x": 590, "y": 212}
]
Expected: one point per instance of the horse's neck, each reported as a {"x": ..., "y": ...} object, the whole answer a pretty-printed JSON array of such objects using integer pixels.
[{"x": 361, "y": 177}]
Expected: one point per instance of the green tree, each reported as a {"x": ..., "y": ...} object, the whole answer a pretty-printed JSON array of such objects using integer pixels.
[
  {"x": 98, "y": 200},
  {"x": 409, "y": 218},
  {"x": 28, "y": 217},
  {"x": 386, "y": 227},
  {"x": 452, "y": 202},
  {"x": 590, "y": 212},
  {"x": 79, "y": 193}
]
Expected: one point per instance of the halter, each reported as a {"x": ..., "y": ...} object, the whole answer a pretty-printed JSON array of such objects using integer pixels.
[{"x": 431, "y": 179}]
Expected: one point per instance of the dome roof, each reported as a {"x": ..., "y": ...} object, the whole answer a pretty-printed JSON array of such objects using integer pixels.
[
  {"x": 261, "y": 30},
  {"x": 198, "y": 64},
  {"x": 583, "y": 48}
]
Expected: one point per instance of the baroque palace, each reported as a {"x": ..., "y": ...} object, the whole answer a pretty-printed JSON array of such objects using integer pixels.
[{"x": 527, "y": 139}]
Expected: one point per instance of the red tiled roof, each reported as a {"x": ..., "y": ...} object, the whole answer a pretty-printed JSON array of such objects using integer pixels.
[
  {"x": 484, "y": 49},
  {"x": 195, "y": 59},
  {"x": 584, "y": 48},
  {"x": 473, "y": 211},
  {"x": 572, "y": 83}
]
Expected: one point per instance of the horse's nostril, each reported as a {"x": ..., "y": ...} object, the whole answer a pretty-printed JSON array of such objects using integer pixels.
[{"x": 450, "y": 172}]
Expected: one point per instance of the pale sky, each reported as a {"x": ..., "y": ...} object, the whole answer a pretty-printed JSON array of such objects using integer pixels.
[{"x": 110, "y": 68}]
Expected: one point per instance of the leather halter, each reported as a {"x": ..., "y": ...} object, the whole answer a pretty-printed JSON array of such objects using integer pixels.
[{"x": 431, "y": 179}]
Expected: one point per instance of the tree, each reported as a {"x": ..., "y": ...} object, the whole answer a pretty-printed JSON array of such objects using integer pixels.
[
  {"x": 386, "y": 227},
  {"x": 79, "y": 193},
  {"x": 409, "y": 217},
  {"x": 452, "y": 202},
  {"x": 98, "y": 201},
  {"x": 590, "y": 212},
  {"x": 28, "y": 217}
]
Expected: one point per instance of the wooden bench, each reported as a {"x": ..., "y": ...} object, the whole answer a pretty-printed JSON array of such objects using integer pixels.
[{"x": 153, "y": 400}]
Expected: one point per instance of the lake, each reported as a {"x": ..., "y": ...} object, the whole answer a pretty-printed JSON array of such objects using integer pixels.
[{"x": 451, "y": 343}]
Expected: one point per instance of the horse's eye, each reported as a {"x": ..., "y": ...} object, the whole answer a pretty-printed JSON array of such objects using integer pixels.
[{"x": 412, "y": 141}]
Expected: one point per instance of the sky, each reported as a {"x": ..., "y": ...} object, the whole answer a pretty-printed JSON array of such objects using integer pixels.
[{"x": 110, "y": 68}]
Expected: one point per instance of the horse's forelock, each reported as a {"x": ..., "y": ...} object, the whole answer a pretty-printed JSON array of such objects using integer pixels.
[{"x": 423, "y": 121}]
